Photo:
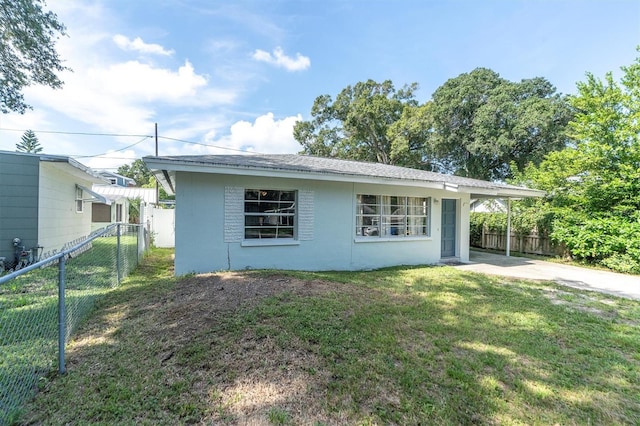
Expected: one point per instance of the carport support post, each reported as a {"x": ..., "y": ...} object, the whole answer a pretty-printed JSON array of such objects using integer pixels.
[{"x": 508, "y": 227}]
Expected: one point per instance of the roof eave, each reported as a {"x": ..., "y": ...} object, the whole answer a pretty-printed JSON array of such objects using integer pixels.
[
  {"x": 165, "y": 170},
  {"x": 512, "y": 193}
]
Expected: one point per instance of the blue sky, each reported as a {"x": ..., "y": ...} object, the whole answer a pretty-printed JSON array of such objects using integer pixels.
[{"x": 238, "y": 75}]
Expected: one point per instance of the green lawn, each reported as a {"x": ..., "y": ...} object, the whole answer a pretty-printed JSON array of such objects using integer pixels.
[
  {"x": 29, "y": 315},
  {"x": 430, "y": 345}
]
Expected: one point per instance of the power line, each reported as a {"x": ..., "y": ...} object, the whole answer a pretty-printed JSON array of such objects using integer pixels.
[
  {"x": 207, "y": 145},
  {"x": 144, "y": 137},
  {"x": 77, "y": 133},
  {"x": 115, "y": 150}
]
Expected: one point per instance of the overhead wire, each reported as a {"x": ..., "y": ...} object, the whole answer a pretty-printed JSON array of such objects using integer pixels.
[
  {"x": 144, "y": 137},
  {"x": 76, "y": 133},
  {"x": 207, "y": 145},
  {"x": 115, "y": 150}
]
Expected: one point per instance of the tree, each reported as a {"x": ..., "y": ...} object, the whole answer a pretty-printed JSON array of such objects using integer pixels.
[
  {"x": 137, "y": 171},
  {"x": 483, "y": 124},
  {"x": 594, "y": 184},
  {"x": 27, "y": 51},
  {"x": 356, "y": 125},
  {"x": 29, "y": 143},
  {"x": 408, "y": 137}
]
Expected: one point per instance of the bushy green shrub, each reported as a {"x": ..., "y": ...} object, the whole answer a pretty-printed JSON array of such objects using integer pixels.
[
  {"x": 624, "y": 263},
  {"x": 612, "y": 241}
]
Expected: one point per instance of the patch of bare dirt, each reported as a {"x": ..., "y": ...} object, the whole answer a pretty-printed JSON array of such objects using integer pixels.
[
  {"x": 198, "y": 301},
  {"x": 255, "y": 377}
]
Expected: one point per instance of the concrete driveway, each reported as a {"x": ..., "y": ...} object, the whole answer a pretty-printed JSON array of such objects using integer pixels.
[{"x": 586, "y": 279}]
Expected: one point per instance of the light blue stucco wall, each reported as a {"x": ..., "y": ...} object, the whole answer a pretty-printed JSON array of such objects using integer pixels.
[{"x": 200, "y": 240}]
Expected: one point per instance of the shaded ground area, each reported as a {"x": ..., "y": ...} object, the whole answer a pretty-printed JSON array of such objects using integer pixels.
[{"x": 582, "y": 278}]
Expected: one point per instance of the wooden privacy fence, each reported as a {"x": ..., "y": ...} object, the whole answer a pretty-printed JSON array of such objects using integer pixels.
[{"x": 532, "y": 243}]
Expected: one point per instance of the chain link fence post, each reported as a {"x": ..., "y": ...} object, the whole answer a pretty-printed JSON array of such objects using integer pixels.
[
  {"x": 118, "y": 252},
  {"x": 63, "y": 286},
  {"x": 62, "y": 315}
]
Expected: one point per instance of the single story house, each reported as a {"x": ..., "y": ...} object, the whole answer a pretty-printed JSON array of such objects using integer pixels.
[
  {"x": 299, "y": 212},
  {"x": 488, "y": 205},
  {"x": 44, "y": 202}
]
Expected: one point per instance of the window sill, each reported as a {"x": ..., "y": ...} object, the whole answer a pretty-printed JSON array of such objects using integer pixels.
[
  {"x": 265, "y": 242},
  {"x": 389, "y": 239}
]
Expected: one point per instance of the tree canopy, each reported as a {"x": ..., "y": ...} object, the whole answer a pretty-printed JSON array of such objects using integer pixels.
[
  {"x": 482, "y": 124},
  {"x": 356, "y": 125},
  {"x": 594, "y": 184},
  {"x": 29, "y": 143},
  {"x": 477, "y": 125},
  {"x": 137, "y": 171},
  {"x": 27, "y": 51}
]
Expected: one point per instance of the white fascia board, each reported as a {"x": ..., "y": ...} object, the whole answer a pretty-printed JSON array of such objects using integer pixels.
[{"x": 513, "y": 193}]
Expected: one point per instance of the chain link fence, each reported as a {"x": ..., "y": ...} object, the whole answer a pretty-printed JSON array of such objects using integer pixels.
[{"x": 42, "y": 304}]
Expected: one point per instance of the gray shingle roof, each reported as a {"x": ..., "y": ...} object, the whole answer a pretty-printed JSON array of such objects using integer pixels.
[{"x": 331, "y": 166}]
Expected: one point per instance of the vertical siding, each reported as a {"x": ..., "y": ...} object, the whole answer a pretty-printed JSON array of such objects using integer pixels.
[
  {"x": 58, "y": 221},
  {"x": 18, "y": 201},
  {"x": 207, "y": 241}
]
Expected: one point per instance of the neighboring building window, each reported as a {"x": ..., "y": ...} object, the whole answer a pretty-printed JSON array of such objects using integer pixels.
[
  {"x": 79, "y": 203},
  {"x": 269, "y": 214},
  {"x": 392, "y": 216},
  {"x": 118, "y": 212},
  {"x": 113, "y": 181}
]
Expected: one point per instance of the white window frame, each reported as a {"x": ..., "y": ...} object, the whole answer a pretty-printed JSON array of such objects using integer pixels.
[
  {"x": 79, "y": 200},
  {"x": 392, "y": 217},
  {"x": 269, "y": 217}
]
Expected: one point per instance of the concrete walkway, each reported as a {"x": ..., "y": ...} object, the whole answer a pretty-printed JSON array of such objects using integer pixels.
[{"x": 586, "y": 279}]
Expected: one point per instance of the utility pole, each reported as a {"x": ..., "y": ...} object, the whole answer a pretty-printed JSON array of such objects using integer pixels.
[{"x": 157, "y": 186}]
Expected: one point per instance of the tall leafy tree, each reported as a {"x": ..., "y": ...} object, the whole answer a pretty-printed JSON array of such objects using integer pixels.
[
  {"x": 409, "y": 138},
  {"x": 356, "y": 125},
  {"x": 29, "y": 143},
  {"x": 594, "y": 184},
  {"x": 27, "y": 50},
  {"x": 137, "y": 171},
  {"x": 600, "y": 172},
  {"x": 483, "y": 124}
]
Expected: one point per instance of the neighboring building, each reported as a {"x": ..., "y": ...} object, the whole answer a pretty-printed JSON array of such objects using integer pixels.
[
  {"x": 116, "y": 179},
  {"x": 44, "y": 200},
  {"x": 305, "y": 213},
  {"x": 119, "y": 199},
  {"x": 488, "y": 205}
]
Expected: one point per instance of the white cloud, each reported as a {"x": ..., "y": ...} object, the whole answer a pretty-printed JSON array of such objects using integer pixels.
[
  {"x": 111, "y": 161},
  {"x": 140, "y": 82},
  {"x": 138, "y": 45},
  {"x": 104, "y": 94},
  {"x": 265, "y": 135},
  {"x": 279, "y": 59}
]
